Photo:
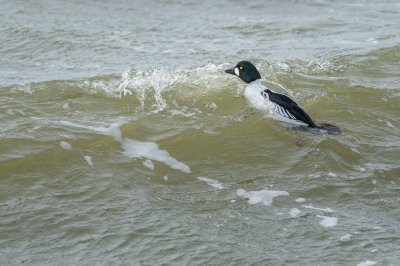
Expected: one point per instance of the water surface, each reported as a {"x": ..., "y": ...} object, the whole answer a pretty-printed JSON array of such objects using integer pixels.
[{"x": 123, "y": 141}]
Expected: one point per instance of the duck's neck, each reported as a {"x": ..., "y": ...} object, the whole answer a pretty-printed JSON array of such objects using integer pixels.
[{"x": 257, "y": 84}]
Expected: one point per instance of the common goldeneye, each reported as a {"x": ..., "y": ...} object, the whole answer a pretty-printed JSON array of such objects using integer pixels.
[{"x": 281, "y": 106}]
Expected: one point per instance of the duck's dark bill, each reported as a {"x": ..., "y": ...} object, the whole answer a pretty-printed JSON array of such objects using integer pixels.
[{"x": 230, "y": 71}]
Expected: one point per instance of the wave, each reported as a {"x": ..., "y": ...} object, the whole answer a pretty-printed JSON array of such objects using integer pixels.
[
  {"x": 158, "y": 88},
  {"x": 148, "y": 87}
]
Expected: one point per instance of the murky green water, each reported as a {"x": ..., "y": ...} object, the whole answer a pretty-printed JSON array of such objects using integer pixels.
[{"x": 122, "y": 140}]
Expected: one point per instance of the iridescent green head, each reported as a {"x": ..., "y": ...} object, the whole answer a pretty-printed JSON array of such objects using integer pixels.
[{"x": 245, "y": 70}]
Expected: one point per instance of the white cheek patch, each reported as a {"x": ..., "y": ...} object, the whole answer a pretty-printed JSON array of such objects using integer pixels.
[{"x": 237, "y": 71}]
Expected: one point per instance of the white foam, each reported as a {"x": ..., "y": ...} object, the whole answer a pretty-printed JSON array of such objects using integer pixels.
[
  {"x": 175, "y": 103},
  {"x": 165, "y": 178},
  {"x": 345, "y": 237},
  {"x": 328, "y": 221},
  {"x": 390, "y": 125},
  {"x": 10, "y": 112},
  {"x": 66, "y": 106},
  {"x": 89, "y": 160},
  {"x": 294, "y": 212},
  {"x": 361, "y": 169},
  {"x": 149, "y": 164},
  {"x": 212, "y": 106},
  {"x": 312, "y": 207},
  {"x": 66, "y": 136},
  {"x": 177, "y": 112},
  {"x": 212, "y": 182},
  {"x": 367, "y": 263},
  {"x": 299, "y": 200},
  {"x": 65, "y": 145},
  {"x": 198, "y": 110},
  {"x": 112, "y": 130},
  {"x": 263, "y": 196},
  {"x": 134, "y": 148},
  {"x": 332, "y": 174},
  {"x": 374, "y": 182}
]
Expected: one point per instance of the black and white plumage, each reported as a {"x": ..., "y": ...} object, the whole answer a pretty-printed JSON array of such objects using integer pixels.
[{"x": 281, "y": 106}]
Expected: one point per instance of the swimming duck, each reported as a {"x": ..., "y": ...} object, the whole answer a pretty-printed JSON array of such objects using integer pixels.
[{"x": 281, "y": 106}]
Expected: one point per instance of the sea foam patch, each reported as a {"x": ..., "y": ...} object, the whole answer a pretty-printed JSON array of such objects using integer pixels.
[
  {"x": 328, "y": 221},
  {"x": 10, "y": 112},
  {"x": 149, "y": 164},
  {"x": 65, "y": 145},
  {"x": 390, "y": 125},
  {"x": 345, "y": 237},
  {"x": 367, "y": 263},
  {"x": 137, "y": 149},
  {"x": 300, "y": 200},
  {"x": 211, "y": 182},
  {"x": 294, "y": 212},
  {"x": 89, "y": 160},
  {"x": 319, "y": 209},
  {"x": 112, "y": 130},
  {"x": 263, "y": 196},
  {"x": 178, "y": 112},
  {"x": 134, "y": 148}
]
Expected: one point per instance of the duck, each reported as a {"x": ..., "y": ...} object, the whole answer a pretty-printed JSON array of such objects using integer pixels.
[{"x": 281, "y": 106}]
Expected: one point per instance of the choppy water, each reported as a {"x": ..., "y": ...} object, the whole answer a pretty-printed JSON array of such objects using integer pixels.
[{"x": 122, "y": 140}]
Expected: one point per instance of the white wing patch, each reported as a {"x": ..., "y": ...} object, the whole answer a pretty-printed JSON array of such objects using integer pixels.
[
  {"x": 283, "y": 113},
  {"x": 280, "y": 113},
  {"x": 279, "y": 110}
]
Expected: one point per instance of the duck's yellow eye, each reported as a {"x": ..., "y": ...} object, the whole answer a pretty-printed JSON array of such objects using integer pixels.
[{"x": 241, "y": 68}]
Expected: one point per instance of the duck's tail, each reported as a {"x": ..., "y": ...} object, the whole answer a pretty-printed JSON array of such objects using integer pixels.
[
  {"x": 331, "y": 130},
  {"x": 320, "y": 129}
]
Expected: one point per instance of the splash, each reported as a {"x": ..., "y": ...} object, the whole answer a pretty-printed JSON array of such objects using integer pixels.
[
  {"x": 309, "y": 67},
  {"x": 149, "y": 86}
]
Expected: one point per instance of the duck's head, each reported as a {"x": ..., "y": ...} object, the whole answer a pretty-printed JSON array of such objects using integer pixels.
[{"x": 245, "y": 70}]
